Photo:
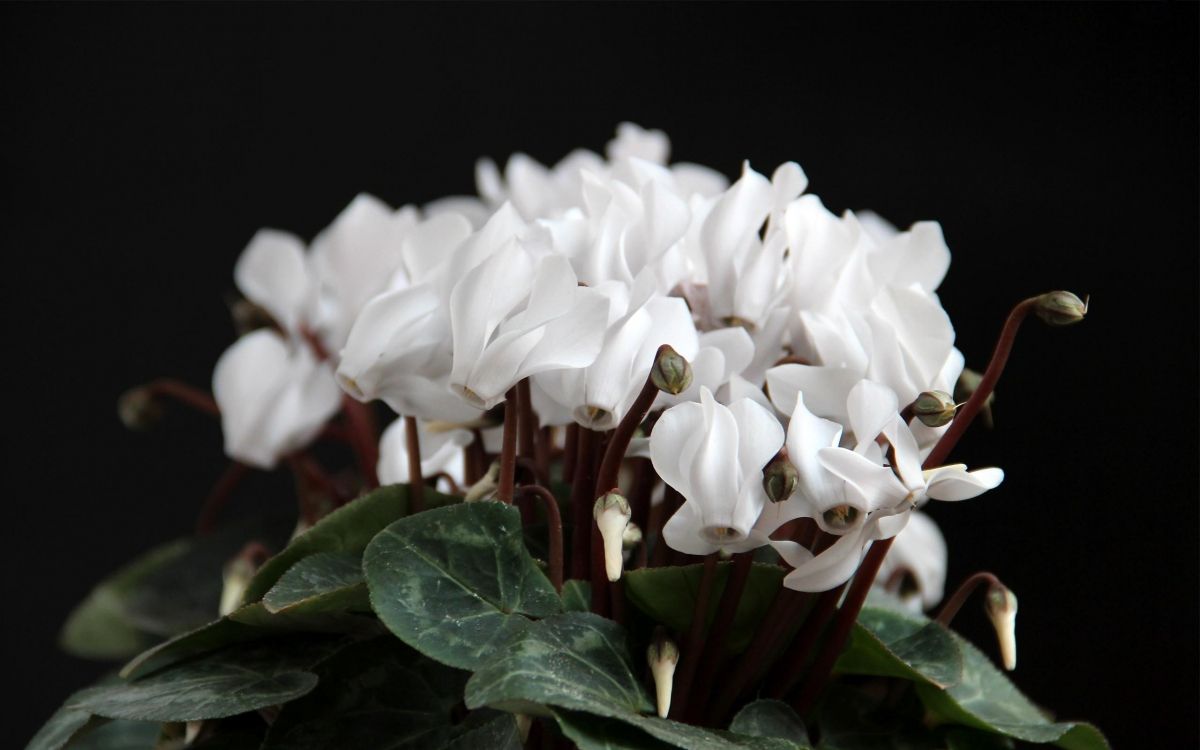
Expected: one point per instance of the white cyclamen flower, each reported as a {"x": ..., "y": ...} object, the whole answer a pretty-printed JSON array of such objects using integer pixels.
[
  {"x": 713, "y": 456},
  {"x": 440, "y": 451},
  {"x": 918, "y": 558}
]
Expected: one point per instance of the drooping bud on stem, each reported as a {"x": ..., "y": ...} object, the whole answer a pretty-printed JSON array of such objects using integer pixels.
[
  {"x": 934, "y": 408},
  {"x": 139, "y": 410},
  {"x": 663, "y": 655},
  {"x": 237, "y": 574},
  {"x": 486, "y": 485},
  {"x": 1060, "y": 308},
  {"x": 780, "y": 478},
  {"x": 671, "y": 373},
  {"x": 1001, "y": 607},
  {"x": 612, "y": 514}
]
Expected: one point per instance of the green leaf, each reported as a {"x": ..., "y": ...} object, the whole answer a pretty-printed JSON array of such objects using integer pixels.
[
  {"x": 668, "y": 595},
  {"x": 770, "y": 718},
  {"x": 377, "y": 693},
  {"x": 324, "y": 582},
  {"x": 347, "y": 529},
  {"x": 597, "y": 733},
  {"x": 985, "y": 699},
  {"x": 576, "y": 661},
  {"x": 231, "y": 681},
  {"x": 64, "y": 724},
  {"x": 498, "y": 733},
  {"x": 577, "y": 596},
  {"x": 118, "y": 735},
  {"x": 454, "y": 582},
  {"x": 892, "y": 643}
]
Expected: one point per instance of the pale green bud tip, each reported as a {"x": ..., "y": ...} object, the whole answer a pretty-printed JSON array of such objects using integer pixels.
[
  {"x": 612, "y": 513},
  {"x": 662, "y": 656},
  {"x": 1060, "y": 308},
  {"x": 671, "y": 373},
  {"x": 780, "y": 478},
  {"x": 934, "y": 408},
  {"x": 139, "y": 409},
  {"x": 632, "y": 536},
  {"x": 235, "y": 579},
  {"x": 1001, "y": 606}
]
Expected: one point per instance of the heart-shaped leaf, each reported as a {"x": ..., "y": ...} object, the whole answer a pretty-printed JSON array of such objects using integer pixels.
[
  {"x": 320, "y": 583},
  {"x": 770, "y": 718},
  {"x": 668, "y": 595},
  {"x": 456, "y": 582},
  {"x": 893, "y": 643}
]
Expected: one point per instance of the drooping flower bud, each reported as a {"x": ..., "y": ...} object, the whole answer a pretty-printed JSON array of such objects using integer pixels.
[
  {"x": 486, "y": 486},
  {"x": 968, "y": 381},
  {"x": 780, "y": 478},
  {"x": 237, "y": 574},
  {"x": 632, "y": 536},
  {"x": 139, "y": 410},
  {"x": 934, "y": 408},
  {"x": 671, "y": 373},
  {"x": 663, "y": 655},
  {"x": 1001, "y": 609},
  {"x": 1060, "y": 308},
  {"x": 612, "y": 513}
]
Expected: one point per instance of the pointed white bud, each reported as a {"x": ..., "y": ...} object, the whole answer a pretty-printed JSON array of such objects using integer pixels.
[
  {"x": 191, "y": 732},
  {"x": 632, "y": 536},
  {"x": 663, "y": 655},
  {"x": 236, "y": 577},
  {"x": 524, "y": 724},
  {"x": 612, "y": 513},
  {"x": 1002, "y": 611}
]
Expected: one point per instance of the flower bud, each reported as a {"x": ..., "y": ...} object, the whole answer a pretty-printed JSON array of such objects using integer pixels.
[
  {"x": 934, "y": 408},
  {"x": 671, "y": 373},
  {"x": 780, "y": 478},
  {"x": 486, "y": 486},
  {"x": 139, "y": 410},
  {"x": 235, "y": 577},
  {"x": 1060, "y": 308},
  {"x": 1001, "y": 606},
  {"x": 612, "y": 513},
  {"x": 663, "y": 655},
  {"x": 968, "y": 381},
  {"x": 632, "y": 536}
]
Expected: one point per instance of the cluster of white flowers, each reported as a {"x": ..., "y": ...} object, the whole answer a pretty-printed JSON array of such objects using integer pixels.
[{"x": 804, "y": 329}]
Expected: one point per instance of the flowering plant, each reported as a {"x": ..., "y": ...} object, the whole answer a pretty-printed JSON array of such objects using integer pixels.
[{"x": 641, "y": 411}]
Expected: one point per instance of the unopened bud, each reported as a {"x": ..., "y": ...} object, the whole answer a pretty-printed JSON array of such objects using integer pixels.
[
  {"x": 632, "y": 536},
  {"x": 612, "y": 513},
  {"x": 663, "y": 655},
  {"x": 967, "y": 383},
  {"x": 486, "y": 486},
  {"x": 934, "y": 408},
  {"x": 1001, "y": 609},
  {"x": 1060, "y": 308},
  {"x": 139, "y": 409},
  {"x": 192, "y": 731},
  {"x": 671, "y": 373},
  {"x": 780, "y": 478},
  {"x": 235, "y": 577}
]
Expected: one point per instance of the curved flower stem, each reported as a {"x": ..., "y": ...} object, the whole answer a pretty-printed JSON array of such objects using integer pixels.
[
  {"x": 751, "y": 663},
  {"x": 476, "y": 462},
  {"x": 793, "y": 660},
  {"x": 363, "y": 439},
  {"x": 455, "y": 489},
  {"x": 672, "y": 501},
  {"x": 695, "y": 641},
  {"x": 606, "y": 478},
  {"x": 527, "y": 430},
  {"x": 716, "y": 645},
  {"x": 964, "y": 590},
  {"x": 184, "y": 394},
  {"x": 309, "y": 472},
  {"x": 554, "y": 528},
  {"x": 865, "y": 577},
  {"x": 416, "y": 482},
  {"x": 508, "y": 449},
  {"x": 219, "y": 497}
]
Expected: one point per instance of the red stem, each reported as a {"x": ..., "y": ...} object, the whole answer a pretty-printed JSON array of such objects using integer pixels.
[
  {"x": 582, "y": 502},
  {"x": 716, "y": 647},
  {"x": 570, "y": 449},
  {"x": 508, "y": 450},
  {"x": 692, "y": 650},
  {"x": 610, "y": 468},
  {"x": 792, "y": 662},
  {"x": 416, "y": 482},
  {"x": 965, "y": 589},
  {"x": 363, "y": 438},
  {"x": 219, "y": 497},
  {"x": 183, "y": 393},
  {"x": 554, "y": 528}
]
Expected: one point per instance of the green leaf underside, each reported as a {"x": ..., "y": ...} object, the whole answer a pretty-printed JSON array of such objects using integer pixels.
[
  {"x": 892, "y": 643},
  {"x": 668, "y": 595},
  {"x": 454, "y": 582},
  {"x": 770, "y": 718},
  {"x": 64, "y": 724},
  {"x": 500, "y": 732},
  {"x": 578, "y": 661},
  {"x": 241, "y": 678},
  {"x": 378, "y": 694},
  {"x": 323, "y": 582},
  {"x": 118, "y": 735},
  {"x": 985, "y": 699},
  {"x": 347, "y": 529}
]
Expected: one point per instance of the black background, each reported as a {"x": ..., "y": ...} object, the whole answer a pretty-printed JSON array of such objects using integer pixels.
[{"x": 143, "y": 145}]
